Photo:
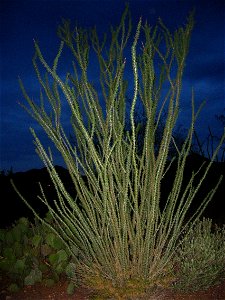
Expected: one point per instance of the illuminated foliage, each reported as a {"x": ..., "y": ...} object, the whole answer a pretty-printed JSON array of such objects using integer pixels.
[{"x": 115, "y": 226}]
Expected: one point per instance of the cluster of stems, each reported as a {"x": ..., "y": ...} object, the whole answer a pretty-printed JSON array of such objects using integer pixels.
[{"x": 115, "y": 226}]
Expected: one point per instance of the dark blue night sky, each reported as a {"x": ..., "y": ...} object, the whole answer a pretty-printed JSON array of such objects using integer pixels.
[{"x": 23, "y": 21}]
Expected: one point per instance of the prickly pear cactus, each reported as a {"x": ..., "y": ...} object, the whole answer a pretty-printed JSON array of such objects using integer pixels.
[{"x": 31, "y": 253}]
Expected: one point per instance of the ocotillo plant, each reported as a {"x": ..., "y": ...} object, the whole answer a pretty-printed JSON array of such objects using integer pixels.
[{"x": 115, "y": 226}]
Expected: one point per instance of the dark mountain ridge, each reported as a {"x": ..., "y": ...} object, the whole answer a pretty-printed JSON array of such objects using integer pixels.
[
  {"x": 28, "y": 184},
  {"x": 12, "y": 206}
]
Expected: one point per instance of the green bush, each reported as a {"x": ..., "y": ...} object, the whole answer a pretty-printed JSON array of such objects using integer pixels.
[
  {"x": 31, "y": 253},
  {"x": 200, "y": 258}
]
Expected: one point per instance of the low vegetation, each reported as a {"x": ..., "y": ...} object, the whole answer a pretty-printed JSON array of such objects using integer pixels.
[
  {"x": 200, "y": 258},
  {"x": 32, "y": 253}
]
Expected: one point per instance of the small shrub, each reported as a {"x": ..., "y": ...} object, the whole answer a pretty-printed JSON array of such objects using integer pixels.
[
  {"x": 201, "y": 257},
  {"x": 31, "y": 253}
]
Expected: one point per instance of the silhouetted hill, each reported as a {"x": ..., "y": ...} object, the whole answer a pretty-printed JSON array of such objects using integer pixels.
[
  {"x": 12, "y": 207},
  {"x": 216, "y": 208}
]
